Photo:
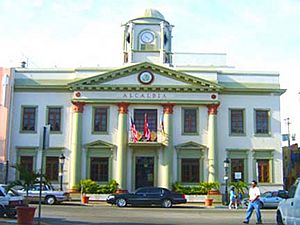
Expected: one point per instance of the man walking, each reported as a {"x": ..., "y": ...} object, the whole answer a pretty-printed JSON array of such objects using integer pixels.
[{"x": 254, "y": 203}]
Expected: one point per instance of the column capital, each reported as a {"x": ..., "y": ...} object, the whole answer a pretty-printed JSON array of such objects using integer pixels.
[
  {"x": 78, "y": 107},
  {"x": 168, "y": 108},
  {"x": 123, "y": 107},
  {"x": 213, "y": 109}
]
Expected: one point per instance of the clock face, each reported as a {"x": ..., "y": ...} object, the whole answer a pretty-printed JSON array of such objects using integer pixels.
[
  {"x": 147, "y": 37},
  {"x": 145, "y": 77}
]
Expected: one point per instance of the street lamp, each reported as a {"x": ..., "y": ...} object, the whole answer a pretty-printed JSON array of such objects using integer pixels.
[
  {"x": 226, "y": 165},
  {"x": 61, "y": 171}
]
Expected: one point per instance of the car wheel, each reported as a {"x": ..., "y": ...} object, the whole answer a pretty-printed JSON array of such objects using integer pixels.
[
  {"x": 167, "y": 203},
  {"x": 50, "y": 200},
  {"x": 121, "y": 202},
  {"x": 279, "y": 218}
]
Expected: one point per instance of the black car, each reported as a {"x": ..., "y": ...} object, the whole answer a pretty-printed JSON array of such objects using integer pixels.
[{"x": 147, "y": 196}]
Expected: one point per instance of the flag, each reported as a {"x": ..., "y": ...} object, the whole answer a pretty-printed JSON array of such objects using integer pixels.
[
  {"x": 133, "y": 130},
  {"x": 147, "y": 133},
  {"x": 161, "y": 123}
]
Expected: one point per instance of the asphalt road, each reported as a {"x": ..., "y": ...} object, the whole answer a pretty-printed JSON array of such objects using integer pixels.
[{"x": 105, "y": 214}]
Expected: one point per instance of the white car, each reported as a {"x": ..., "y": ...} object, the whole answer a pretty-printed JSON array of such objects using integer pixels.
[
  {"x": 49, "y": 195},
  {"x": 288, "y": 211},
  {"x": 9, "y": 200}
]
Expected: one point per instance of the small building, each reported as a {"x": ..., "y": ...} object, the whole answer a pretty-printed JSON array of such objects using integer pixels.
[
  {"x": 159, "y": 118},
  {"x": 291, "y": 164}
]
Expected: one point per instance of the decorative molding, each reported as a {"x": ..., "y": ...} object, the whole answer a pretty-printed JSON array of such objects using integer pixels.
[
  {"x": 96, "y": 81},
  {"x": 78, "y": 107},
  {"x": 168, "y": 108},
  {"x": 123, "y": 107},
  {"x": 213, "y": 109}
]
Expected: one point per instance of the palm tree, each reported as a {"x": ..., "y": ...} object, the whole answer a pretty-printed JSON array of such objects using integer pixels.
[{"x": 27, "y": 178}]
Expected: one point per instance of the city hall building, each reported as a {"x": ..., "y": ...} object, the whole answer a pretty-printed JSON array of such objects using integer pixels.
[{"x": 158, "y": 119}]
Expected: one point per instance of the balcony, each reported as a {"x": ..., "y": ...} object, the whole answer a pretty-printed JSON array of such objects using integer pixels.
[{"x": 156, "y": 139}]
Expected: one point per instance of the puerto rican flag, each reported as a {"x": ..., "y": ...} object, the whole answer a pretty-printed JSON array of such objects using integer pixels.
[
  {"x": 161, "y": 123},
  {"x": 147, "y": 133},
  {"x": 133, "y": 130}
]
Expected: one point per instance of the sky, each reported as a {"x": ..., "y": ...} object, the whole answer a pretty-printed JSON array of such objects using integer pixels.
[{"x": 257, "y": 35}]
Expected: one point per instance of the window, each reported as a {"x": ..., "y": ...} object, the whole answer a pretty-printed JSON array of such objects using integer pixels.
[
  {"x": 29, "y": 117},
  {"x": 190, "y": 120},
  {"x": 54, "y": 118},
  {"x": 99, "y": 168},
  {"x": 263, "y": 170},
  {"x": 27, "y": 163},
  {"x": 261, "y": 121},
  {"x": 139, "y": 119},
  {"x": 52, "y": 164},
  {"x": 237, "y": 121},
  {"x": 237, "y": 168},
  {"x": 100, "y": 119},
  {"x": 190, "y": 170}
]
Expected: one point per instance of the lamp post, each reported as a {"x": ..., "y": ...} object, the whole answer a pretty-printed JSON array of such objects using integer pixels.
[
  {"x": 61, "y": 170},
  {"x": 226, "y": 165}
]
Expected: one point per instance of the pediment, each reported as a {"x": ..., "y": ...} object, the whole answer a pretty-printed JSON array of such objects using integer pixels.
[
  {"x": 190, "y": 146},
  {"x": 126, "y": 79},
  {"x": 100, "y": 144}
]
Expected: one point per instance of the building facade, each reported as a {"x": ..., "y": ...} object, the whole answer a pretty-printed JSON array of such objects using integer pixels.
[
  {"x": 158, "y": 119},
  {"x": 5, "y": 100}
]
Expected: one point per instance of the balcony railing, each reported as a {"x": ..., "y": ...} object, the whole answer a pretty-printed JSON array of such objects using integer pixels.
[{"x": 155, "y": 136}]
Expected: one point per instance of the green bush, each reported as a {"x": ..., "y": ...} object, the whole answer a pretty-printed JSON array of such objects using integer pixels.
[
  {"x": 240, "y": 186},
  {"x": 91, "y": 187},
  {"x": 200, "y": 189}
]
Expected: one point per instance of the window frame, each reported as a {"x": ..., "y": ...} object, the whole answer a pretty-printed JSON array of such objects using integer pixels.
[
  {"x": 267, "y": 154},
  {"x": 194, "y": 151},
  {"x": 267, "y": 134},
  {"x": 238, "y": 154},
  {"x": 181, "y": 168},
  {"x": 101, "y": 152},
  {"x": 107, "y": 119},
  {"x": 26, "y": 151},
  {"x": 61, "y": 118},
  {"x": 35, "y": 119},
  {"x": 54, "y": 152},
  {"x": 183, "y": 121},
  {"x": 244, "y": 122},
  {"x": 57, "y": 157},
  {"x": 90, "y": 175}
]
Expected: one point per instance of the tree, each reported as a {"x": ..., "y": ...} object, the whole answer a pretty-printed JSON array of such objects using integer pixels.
[{"x": 27, "y": 178}]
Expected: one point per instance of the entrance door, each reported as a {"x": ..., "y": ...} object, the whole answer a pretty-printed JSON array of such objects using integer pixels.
[{"x": 144, "y": 171}]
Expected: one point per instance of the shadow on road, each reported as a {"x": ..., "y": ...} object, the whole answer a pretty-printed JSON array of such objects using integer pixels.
[{"x": 52, "y": 221}]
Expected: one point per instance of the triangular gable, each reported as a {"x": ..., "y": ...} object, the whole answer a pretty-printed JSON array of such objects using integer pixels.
[
  {"x": 97, "y": 82},
  {"x": 100, "y": 144},
  {"x": 190, "y": 146}
]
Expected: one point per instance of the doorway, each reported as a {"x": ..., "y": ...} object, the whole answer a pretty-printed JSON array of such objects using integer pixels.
[{"x": 144, "y": 171}]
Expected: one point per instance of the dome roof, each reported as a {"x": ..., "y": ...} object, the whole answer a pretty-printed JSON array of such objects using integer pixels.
[{"x": 153, "y": 13}]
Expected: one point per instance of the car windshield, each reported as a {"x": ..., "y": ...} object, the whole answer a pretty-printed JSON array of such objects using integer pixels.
[
  {"x": 266, "y": 194},
  {"x": 11, "y": 191}
]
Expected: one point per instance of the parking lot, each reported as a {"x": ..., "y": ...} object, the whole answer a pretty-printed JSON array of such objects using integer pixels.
[{"x": 102, "y": 213}]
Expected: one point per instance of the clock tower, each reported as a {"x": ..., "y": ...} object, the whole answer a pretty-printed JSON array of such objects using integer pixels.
[{"x": 148, "y": 39}]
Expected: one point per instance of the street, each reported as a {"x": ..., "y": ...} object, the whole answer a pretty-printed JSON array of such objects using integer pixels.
[{"x": 103, "y": 213}]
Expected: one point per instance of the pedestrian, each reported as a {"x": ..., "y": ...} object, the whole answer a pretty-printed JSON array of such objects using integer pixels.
[
  {"x": 233, "y": 199},
  {"x": 254, "y": 203}
]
